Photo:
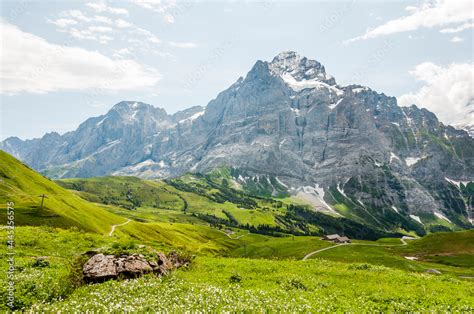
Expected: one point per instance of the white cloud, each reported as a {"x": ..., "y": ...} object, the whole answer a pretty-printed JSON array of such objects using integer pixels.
[
  {"x": 103, "y": 19},
  {"x": 103, "y": 7},
  {"x": 457, "y": 29},
  {"x": 411, "y": 9},
  {"x": 164, "y": 7},
  {"x": 430, "y": 14},
  {"x": 182, "y": 45},
  {"x": 95, "y": 33},
  {"x": 121, "y": 30},
  {"x": 86, "y": 27},
  {"x": 78, "y": 15},
  {"x": 104, "y": 39},
  {"x": 149, "y": 35},
  {"x": 122, "y": 23},
  {"x": 63, "y": 22},
  {"x": 31, "y": 64},
  {"x": 81, "y": 34},
  {"x": 120, "y": 53},
  {"x": 155, "y": 5},
  {"x": 100, "y": 29},
  {"x": 448, "y": 91},
  {"x": 457, "y": 39}
]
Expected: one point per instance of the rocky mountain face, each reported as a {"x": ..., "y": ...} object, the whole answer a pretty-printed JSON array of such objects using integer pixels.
[{"x": 347, "y": 150}]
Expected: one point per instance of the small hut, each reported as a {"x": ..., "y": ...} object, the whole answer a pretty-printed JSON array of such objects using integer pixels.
[
  {"x": 331, "y": 237},
  {"x": 342, "y": 240}
]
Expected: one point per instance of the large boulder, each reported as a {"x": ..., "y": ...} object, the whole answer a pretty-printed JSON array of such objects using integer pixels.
[
  {"x": 102, "y": 267},
  {"x": 132, "y": 266}
]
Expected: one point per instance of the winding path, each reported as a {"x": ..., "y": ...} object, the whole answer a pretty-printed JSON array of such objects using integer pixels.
[
  {"x": 364, "y": 244},
  {"x": 236, "y": 238},
  {"x": 114, "y": 226},
  {"x": 325, "y": 249}
]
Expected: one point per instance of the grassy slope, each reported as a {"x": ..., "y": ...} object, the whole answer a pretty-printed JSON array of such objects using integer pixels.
[
  {"x": 160, "y": 201},
  {"x": 444, "y": 243},
  {"x": 123, "y": 191},
  {"x": 448, "y": 252},
  {"x": 449, "y": 248},
  {"x": 202, "y": 201},
  {"x": 66, "y": 209},
  {"x": 62, "y": 208},
  {"x": 216, "y": 204},
  {"x": 278, "y": 248}
]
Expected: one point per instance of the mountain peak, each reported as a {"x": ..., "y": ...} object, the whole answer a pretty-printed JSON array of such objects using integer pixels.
[
  {"x": 290, "y": 63},
  {"x": 135, "y": 111},
  {"x": 286, "y": 55},
  {"x": 130, "y": 105}
]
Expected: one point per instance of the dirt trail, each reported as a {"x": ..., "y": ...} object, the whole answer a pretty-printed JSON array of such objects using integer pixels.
[
  {"x": 235, "y": 238},
  {"x": 114, "y": 226},
  {"x": 325, "y": 249}
]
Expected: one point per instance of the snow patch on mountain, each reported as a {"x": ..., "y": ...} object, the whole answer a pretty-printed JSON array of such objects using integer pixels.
[
  {"x": 457, "y": 183},
  {"x": 334, "y": 105},
  {"x": 281, "y": 183},
  {"x": 315, "y": 197},
  {"x": 101, "y": 121},
  {"x": 393, "y": 157},
  {"x": 416, "y": 218},
  {"x": 146, "y": 163},
  {"x": 341, "y": 190},
  {"x": 296, "y": 111},
  {"x": 441, "y": 216},
  {"x": 298, "y": 86},
  {"x": 359, "y": 90},
  {"x": 410, "y": 161},
  {"x": 193, "y": 117}
]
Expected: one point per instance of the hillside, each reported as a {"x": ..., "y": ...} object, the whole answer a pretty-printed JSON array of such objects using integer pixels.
[
  {"x": 61, "y": 208},
  {"x": 205, "y": 199},
  {"x": 454, "y": 249},
  {"x": 65, "y": 209},
  {"x": 221, "y": 197}
]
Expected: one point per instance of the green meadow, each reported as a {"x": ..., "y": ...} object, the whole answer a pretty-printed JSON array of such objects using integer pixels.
[{"x": 248, "y": 250}]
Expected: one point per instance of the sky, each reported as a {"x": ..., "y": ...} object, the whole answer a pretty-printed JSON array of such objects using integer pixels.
[{"x": 65, "y": 61}]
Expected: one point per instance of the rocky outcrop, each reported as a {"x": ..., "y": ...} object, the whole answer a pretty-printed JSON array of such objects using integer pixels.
[{"x": 101, "y": 267}]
